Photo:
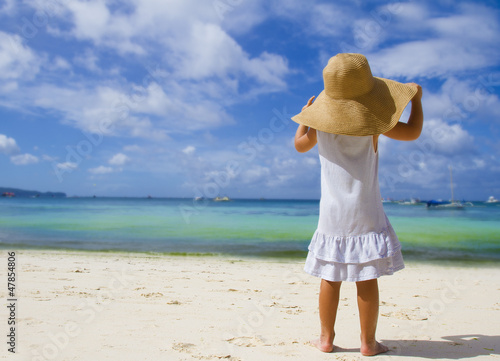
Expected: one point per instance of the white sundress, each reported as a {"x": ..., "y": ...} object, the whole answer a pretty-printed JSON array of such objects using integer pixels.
[{"x": 354, "y": 240}]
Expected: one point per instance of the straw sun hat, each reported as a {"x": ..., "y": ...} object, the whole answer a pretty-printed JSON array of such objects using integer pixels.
[{"x": 354, "y": 102}]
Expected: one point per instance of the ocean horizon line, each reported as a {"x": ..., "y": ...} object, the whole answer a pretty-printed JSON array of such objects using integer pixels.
[{"x": 385, "y": 199}]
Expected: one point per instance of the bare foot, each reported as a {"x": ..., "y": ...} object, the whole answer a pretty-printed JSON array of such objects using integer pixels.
[
  {"x": 322, "y": 346},
  {"x": 373, "y": 349}
]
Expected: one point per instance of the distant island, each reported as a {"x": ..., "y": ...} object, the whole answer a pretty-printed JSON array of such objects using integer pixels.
[{"x": 14, "y": 192}]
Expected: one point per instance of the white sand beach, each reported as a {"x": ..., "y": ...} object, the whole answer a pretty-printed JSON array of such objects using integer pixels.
[{"x": 113, "y": 306}]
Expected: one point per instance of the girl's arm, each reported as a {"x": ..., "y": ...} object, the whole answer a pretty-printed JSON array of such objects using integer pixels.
[
  {"x": 412, "y": 129},
  {"x": 305, "y": 137}
]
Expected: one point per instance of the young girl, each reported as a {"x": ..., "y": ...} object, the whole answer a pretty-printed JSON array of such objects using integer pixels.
[{"x": 354, "y": 240}]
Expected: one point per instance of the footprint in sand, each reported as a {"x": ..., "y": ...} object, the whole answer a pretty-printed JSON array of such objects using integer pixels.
[
  {"x": 183, "y": 347},
  {"x": 246, "y": 341},
  {"x": 347, "y": 358},
  {"x": 407, "y": 314},
  {"x": 152, "y": 294},
  {"x": 217, "y": 357}
]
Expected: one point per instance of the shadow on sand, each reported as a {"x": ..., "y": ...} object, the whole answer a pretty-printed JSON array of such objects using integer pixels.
[{"x": 452, "y": 347}]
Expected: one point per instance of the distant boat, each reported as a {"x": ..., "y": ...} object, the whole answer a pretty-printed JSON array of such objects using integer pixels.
[
  {"x": 448, "y": 205},
  {"x": 8, "y": 194},
  {"x": 445, "y": 205},
  {"x": 411, "y": 202},
  {"x": 492, "y": 200},
  {"x": 199, "y": 199},
  {"x": 222, "y": 199}
]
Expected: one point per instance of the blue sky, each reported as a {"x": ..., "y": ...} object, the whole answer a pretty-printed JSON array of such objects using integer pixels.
[{"x": 185, "y": 98}]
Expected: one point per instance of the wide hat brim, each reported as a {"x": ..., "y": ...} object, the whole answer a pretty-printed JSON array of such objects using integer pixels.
[{"x": 375, "y": 112}]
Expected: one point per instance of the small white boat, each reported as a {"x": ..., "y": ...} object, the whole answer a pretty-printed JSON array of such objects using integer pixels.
[
  {"x": 411, "y": 202},
  {"x": 492, "y": 200}
]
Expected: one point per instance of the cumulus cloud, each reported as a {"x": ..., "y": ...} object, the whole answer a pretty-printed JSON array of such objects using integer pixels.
[
  {"x": 447, "y": 45},
  {"x": 467, "y": 101},
  {"x": 119, "y": 159},
  {"x": 200, "y": 68},
  {"x": 188, "y": 33},
  {"x": 446, "y": 139},
  {"x": 24, "y": 159},
  {"x": 104, "y": 110},
  {"x": 17, "y": 61},
  {"x": 144, "y": 112},
  {"x": 8, "y": 145}
]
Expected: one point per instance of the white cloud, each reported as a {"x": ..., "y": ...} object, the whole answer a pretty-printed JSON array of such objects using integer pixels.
[
  {"x": 209, "y": 51},
  {"x": 459, "y": 42},
  {"x": 474, "y": 22},
  {"x": 449, "y": 139},
  {"x": 187, "y": 33},
  {"x": 437, "y": 58},
  {"x": 104, "y": 110},
  {"x": 269, "y": 69},
  {"x": 24, "y": 159},
  {"x": 189, "y": 150},
  {"x": 200, "y": 68},
  {"x": 146, "y": 112},
  {"x": 411, "y": 13},
  {"x": 239, "y": 17},
  {"x": 101, "y": 170},
  {"x": 329, "y": 19},
  {"x": 119, "y": 159},
  {"x": 90, "y": 18},
  {"x": 17, "y": 61},
  {"x": 8, "y": 145},
  {"x": 421, "y": 167}
]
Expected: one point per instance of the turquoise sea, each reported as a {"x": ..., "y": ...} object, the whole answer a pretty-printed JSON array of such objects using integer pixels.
[{"x": 262, "y": 228}]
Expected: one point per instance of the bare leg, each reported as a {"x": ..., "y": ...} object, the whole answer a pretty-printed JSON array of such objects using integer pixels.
[
  {"x": 368, "y": 304},
  {"x": 329, "y": 293}
]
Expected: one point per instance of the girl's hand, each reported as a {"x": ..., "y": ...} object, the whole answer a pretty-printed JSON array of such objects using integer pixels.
[
  {"x": 305, "y": 137},
  {"x": 309, "y": 102},
  {"x": 413, "y": 128}
]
